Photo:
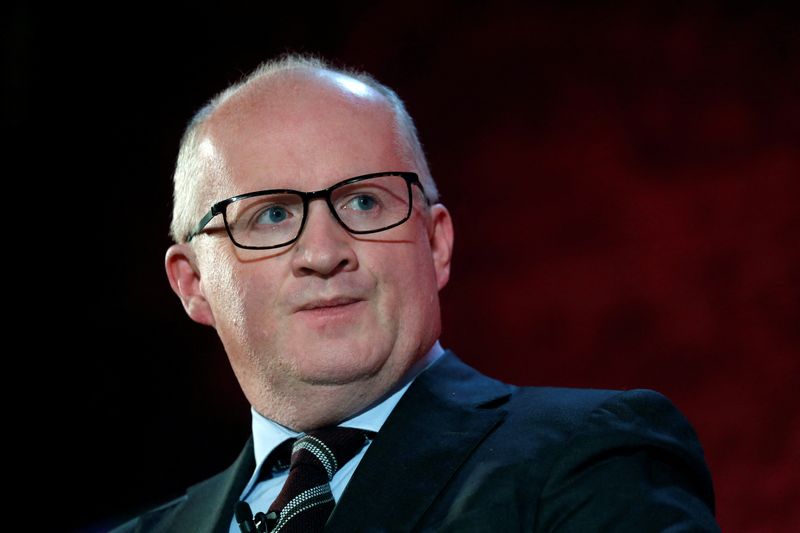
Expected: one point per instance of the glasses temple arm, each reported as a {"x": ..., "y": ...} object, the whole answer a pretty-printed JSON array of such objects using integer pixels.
[{"x": 202, "y": 224}]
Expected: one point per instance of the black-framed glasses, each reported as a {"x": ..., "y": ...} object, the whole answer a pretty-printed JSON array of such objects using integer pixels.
[{"x": 273, "y": 218}]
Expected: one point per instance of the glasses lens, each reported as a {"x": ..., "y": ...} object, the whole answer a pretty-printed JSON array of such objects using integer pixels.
[
  {"x": 372, "y": 204},
  {"x": 266, "y": 220}
]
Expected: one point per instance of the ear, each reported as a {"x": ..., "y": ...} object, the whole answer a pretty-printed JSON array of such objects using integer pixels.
[
  {"x": 184, "y": 278},
  {"x": 441, "y": 242}
]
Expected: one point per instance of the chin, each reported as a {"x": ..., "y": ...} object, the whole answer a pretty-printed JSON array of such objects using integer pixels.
[
  {"x": 332, "y": 366},
  {"x": 336, "y": 374}
]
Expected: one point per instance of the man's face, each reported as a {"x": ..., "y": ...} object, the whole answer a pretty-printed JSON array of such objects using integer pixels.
[{"x": 332, "y": 309}]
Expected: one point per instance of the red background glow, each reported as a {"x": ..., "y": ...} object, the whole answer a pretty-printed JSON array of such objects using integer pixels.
[{"x": 625, "y": 184}]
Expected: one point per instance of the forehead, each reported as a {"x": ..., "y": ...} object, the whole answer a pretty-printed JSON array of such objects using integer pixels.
[{"x": 303, "y": 129}]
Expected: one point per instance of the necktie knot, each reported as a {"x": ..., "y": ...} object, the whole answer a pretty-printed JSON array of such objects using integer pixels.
[
  {"x": 306, "y": 501},
  {"x": 328, "y": 447}
]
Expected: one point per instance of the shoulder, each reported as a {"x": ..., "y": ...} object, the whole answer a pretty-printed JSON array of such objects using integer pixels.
[
  {"x": 554, "y": 413},
  {"x": 584, "y": 409},
  {"x": 207, "y": 502},
  {"x": 543, "y": 425},
  {"x": 635, "y": 442},
  {"x": 582, "y": 459},
  {"x": 590, "y": 421},
  {"x": 157, "y": 519}
]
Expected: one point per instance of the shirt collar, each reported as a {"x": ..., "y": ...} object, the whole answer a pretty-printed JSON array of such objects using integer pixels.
[{"x": 268, "y": 434}]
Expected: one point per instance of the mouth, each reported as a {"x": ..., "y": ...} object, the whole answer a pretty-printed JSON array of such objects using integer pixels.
[
  {"x": 328, "y": 304},
  {"x": 330, "y": 314}
]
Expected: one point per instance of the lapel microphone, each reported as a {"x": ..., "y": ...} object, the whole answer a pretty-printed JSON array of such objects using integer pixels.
[
  {"x": 263, "y": 523},
  {"x": 244, "y": 517}
]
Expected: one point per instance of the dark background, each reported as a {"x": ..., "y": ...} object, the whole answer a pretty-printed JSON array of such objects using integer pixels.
[{"x": 624, "y": 179}]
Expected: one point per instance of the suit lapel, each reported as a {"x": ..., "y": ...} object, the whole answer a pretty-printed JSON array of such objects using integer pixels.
[
  {"x": 209, "y": 505},
  {"x": 437, "y": 424}
]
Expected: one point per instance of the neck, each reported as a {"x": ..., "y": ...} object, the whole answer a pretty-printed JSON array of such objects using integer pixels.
[
  {"x": 303, "y": 406},
  {"x": 307, "y": 407}
]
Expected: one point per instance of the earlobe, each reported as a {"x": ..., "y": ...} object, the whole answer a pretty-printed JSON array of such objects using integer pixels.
[
  {"x": 184, "y": 278},
  {"x": 441, "y": 242}
]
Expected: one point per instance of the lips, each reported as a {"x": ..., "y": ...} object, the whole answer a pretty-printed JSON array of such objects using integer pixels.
[{"x": 325, "y": 303}]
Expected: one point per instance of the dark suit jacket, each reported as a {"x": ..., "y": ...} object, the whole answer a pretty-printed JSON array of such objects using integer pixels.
[{"x": 465, "y": 453}]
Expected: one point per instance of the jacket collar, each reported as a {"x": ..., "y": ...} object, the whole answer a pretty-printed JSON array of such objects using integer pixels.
[
  {"x": 440, "y": 420},
  {"x": 209, "y": 505}
]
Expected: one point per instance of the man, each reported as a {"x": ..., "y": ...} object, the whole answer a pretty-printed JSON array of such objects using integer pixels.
[{"x": 309, "y": 236}]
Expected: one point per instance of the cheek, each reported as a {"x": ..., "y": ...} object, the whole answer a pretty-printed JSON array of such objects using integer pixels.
[
  {"x": 256, "y": 291},
  {"x": 238, "y": 293},
  {"x": 408, "y": 282},
  {"x": 225, "y": 292}
]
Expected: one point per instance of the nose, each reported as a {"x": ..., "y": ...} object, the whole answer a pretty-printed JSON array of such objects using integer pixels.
[{"x": 324, "y": 248}]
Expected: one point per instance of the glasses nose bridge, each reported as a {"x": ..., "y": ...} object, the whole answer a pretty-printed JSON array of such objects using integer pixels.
[{"x": 322, "y": 194}]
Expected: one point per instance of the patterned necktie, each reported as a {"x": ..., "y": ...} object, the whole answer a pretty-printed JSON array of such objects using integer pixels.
[{"x": 305, "y": 501}]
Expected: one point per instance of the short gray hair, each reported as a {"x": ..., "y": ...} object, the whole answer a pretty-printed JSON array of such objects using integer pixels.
[{"x": 191, "y": 189}]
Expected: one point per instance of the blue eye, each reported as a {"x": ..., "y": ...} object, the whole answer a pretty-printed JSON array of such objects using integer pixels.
[
  {"x": 363, "y": 203},
  {"x": 273, "y": 215}
]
